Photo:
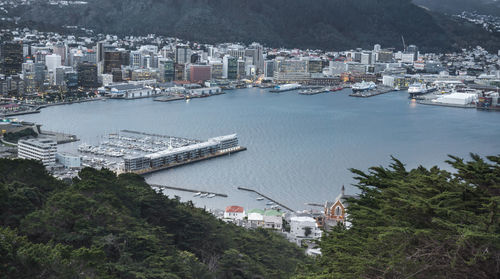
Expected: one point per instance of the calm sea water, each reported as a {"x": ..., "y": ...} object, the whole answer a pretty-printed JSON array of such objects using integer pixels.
[{"x": 299, "y": 147}]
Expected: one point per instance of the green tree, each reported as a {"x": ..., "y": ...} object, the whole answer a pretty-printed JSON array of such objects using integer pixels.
[{"x": 419, "y": 223}]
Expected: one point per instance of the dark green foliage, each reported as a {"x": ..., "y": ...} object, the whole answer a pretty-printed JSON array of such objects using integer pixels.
[
  {"x": 326, "y": 24},
  {"x": 104, "y": 226},
  {"x": 25, "y": 133},
  {"x": 420, "y": 223}
]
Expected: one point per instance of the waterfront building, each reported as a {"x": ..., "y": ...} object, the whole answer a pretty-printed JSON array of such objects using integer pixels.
[
  {"x": 68, "y": 160},
  {"x": 129, "y": 91},
  {"x": 217, "y": 69},
  {"x": 269, "y": 69},
  {"x": 11, "y": 58},
  {"x": 230, "y": 67},
  {"x": 87, "y": 75},
  {"x": 291, "y": 70},
  {"x": 199, "y": 73},
  {"x": 43, "y": 150},
  {"x": 166, "y": 70},
  {"x": 234, "y": 213},
  {"x": 315, "y": 66},
  {"x": 164, "y": 158}
]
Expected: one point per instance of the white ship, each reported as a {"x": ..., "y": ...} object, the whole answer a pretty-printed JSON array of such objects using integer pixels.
[
  {"x": 286, "y": 87},
  {"x": 363, "y": 86},
  {"x": 419, "y": 89}
]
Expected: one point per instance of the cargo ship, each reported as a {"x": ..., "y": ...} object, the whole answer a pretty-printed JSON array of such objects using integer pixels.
[
  {"x": 363, "y": 86},
  {"x": 286, "y": 87}
]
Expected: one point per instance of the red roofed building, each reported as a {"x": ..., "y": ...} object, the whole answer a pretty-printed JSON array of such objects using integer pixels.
[{"x": 234, "y": 212}]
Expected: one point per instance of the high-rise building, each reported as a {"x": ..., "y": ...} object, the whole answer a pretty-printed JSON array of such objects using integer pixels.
[
  {"x": 60, "y": 74},
  {"x": 52, "y": 61},
  {"x": 182, "y": 54},
  {"x": 230, "y": 67},
  {"x": 269, "y": 68},
  {"x": 167, "y": 69},
  {"x": 114, "y": 60},
  {"x": 11, "y": 58},
  {"x": 217, "y": 69},
  {"x": 87, "y": 75},
  {"x": 71, "y": 80}
]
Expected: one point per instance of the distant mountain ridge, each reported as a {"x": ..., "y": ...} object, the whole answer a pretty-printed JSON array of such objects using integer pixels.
[
  {"x": 325, "y": 24},
  {"x": 489, "y": 7}
]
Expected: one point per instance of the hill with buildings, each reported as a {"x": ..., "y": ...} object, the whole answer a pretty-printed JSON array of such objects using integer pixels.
[
  {"x": 326, "y": 24},
  {"x": 104, "y": 226}
]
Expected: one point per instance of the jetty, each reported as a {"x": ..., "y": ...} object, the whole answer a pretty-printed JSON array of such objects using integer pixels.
[
  {"x": 266, "y": 197},
  {"x": 187, "y": 190},
  {"x": 371, "y": 93}
]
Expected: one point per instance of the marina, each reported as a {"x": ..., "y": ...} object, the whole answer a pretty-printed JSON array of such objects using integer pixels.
[{"x": 143, "y": 153}]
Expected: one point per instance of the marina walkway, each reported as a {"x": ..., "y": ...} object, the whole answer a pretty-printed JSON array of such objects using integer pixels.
[
  {"x": 187, "y": 190},
  {"x": 266, "y": 197}
]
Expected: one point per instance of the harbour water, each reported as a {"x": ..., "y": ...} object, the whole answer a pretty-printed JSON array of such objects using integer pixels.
[{"x": 299, "y": 147}]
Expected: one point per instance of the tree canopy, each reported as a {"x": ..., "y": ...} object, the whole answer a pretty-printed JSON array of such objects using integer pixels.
[
  {"x": 419, "y": 223},
  {"x": 108, "y": 226}
]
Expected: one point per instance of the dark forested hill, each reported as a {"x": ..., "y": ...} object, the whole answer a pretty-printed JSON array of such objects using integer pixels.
[
  {"x": 490, "y": 7},
  {"x": 327, "y": 24},
  {"x": 104, "y": 226}
]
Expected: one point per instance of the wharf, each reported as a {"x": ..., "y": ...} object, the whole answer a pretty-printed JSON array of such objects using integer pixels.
[
  {"x": 284, "y": 90},
  {"x": 370, "y": 93},
  {"x": 266, "y": 197},
  {"x": 20, "y": 113},
  {"x": 169, "y": 98},
  {"x": 174, "y": 165},
  {"x": 187, "y": 190},
  {"x": 60, "y": 138},
  {"x": 430, "y": 103}
]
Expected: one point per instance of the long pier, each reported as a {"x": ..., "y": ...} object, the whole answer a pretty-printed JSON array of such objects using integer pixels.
[
  {"x": 266, "y": 197},
  {"x": 370, "y": 93},
  {"x": 174, "y": 165},
  {"x": 187, "y": 190}
]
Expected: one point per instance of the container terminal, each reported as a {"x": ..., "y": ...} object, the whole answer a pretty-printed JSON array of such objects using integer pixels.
[{"x": 142, "y": 153}]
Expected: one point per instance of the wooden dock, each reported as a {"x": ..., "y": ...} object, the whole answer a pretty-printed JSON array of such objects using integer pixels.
[
  {"x": 266, "y": 197},
  {"x": 187, "y": 190}
]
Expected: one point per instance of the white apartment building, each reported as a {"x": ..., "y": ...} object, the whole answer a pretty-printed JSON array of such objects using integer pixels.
[{"x": 43, "y": 150}]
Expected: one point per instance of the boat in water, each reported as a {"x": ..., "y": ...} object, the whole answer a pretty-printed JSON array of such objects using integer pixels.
[
  {"x": 286, "y": 87},
  {"x": 416, "y": 89},
  {"x": 363, "y": 86},
  {"x": 313, "y": 91},
  {"x": 338, "y": 88},
  {"x": 260, "y": 198}
]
